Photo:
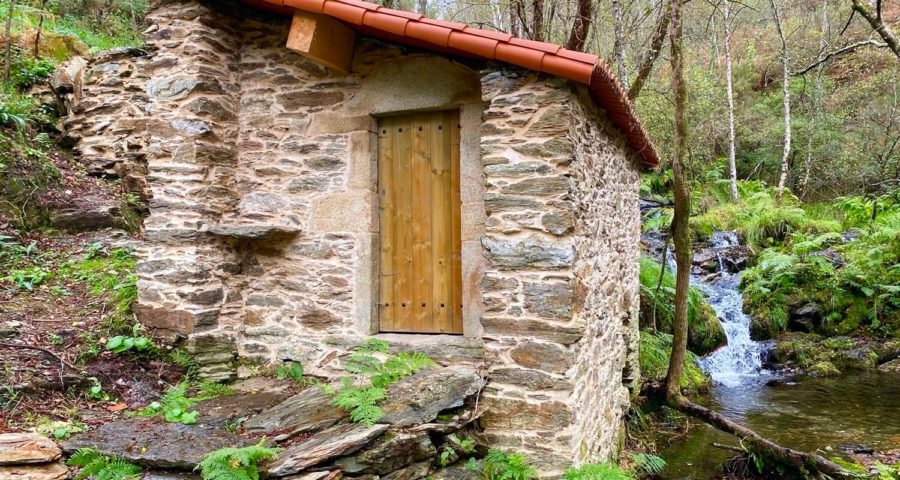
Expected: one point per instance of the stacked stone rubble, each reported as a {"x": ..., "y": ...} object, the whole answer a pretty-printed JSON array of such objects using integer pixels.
[{"x": 106, "y": 108}]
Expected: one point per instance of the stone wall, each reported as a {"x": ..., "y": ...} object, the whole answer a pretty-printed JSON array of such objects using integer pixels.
[
  {"x": 561, "y": 243},
  {"x": 261, "y": 174},
  {"x": 608, "y": 234},
  {"x": 106, "y": 107}
]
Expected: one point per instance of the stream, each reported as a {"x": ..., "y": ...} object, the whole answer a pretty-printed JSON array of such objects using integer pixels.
[{"x": 845, "y": 413}]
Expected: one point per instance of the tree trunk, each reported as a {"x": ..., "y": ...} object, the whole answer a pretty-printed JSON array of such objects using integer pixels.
[
  {"x": 9, "y": 17},
  {"x": 818, "y": 95},
  {"x": 422, "y": 6},
  {"x": 581, "y": 26},
  {"x": 37, "y": 37},
  {"x": 682, "y": 210},
  {"x": 515, "y": 17},
  {"x": 619, "y": 42},
  {"x": 537, "y": 20},
  {"x": 656, "y": 44},
  {"x": 810, "y": 465},
  {"x": 786, "y": 90},
  {"x": 729, "y": 90},
  {"x": 877, "y": 23}
]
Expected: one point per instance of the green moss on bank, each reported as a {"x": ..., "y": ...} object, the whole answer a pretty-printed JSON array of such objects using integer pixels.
[
  {"x": 654, "y": 360},
  {"x": 705, "y": 333}
]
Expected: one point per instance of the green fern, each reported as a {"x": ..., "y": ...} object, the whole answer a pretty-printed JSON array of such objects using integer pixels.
[
  {"x": 362, "y": 401},
  {"x": 645, "y": 463},
  {"x": 597, "y": 471},
  {"x": 502, "y": 465},
  {"x": 400, "y": 366},
  {"x": 96, "y": 466},
  {"x": 235, "y": 463}
]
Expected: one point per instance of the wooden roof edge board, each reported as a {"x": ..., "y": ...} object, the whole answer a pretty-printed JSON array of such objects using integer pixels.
[{"x": 583, "y": 68}]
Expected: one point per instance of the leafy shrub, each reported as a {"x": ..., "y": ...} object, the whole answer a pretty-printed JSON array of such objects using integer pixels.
[
  {"x": 96, "y": 466},
  {"x": 502, "y": 465},
  {"x": 705, "y": 332},
  {"x": 235, "y": 463},
  {"x": 375, "y": 376},
  {"x": 654, "y": 355}
]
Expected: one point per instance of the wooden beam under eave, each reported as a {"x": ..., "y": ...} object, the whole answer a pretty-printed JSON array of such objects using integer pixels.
[{"x": 322, "y": 39}]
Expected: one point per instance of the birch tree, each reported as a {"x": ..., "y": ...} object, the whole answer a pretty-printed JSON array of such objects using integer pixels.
[
  {"x": 818, "y": 95},
  {"x": 619, "y": 41},
  {"x": 786, "y": 90},
  {"x": 729, "y": 92}
]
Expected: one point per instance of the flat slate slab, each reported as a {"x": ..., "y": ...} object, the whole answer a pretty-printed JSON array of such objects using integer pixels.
[
  {"x": 21, "y": 448},
  {"x": 326, "y": 445},
  {"x": 420, "y": 398},
  {"x": 44, "y": 471},
  {"x": 221, "y": 410},
  {"x": 307, "y": 411},
  {"x": 154, "y": 444}
]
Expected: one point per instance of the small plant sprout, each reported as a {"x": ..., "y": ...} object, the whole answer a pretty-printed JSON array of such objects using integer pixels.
[{"x": 292, "y": 370}]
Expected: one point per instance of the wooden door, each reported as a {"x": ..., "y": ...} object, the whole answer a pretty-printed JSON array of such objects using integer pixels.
[{"x": 418, "y": 171}]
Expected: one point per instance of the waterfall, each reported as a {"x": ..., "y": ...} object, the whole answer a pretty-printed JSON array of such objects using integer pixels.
[{"x": 741, "y": 358}]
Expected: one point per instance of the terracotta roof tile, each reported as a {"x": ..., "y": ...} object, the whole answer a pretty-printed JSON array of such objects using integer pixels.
[
  {"x": 483, "y": 47},
  {"x": 521, "y": 56},
  {"x": 361, "y": 4},
  {"x": 542, "y": 46},
  {"x": 442, "y": 23},
  {"x": 400, "y": 13},
  {"x": 567, "y": 68},
  {"x": 314, "y": 6},
  {"x": 460, "y": 39},
  {"x": 386, "y": 23},
  {"x": 430, "y": 33}
]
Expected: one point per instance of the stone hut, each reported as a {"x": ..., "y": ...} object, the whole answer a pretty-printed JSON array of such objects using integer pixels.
[{"x": 321, "y": 171}]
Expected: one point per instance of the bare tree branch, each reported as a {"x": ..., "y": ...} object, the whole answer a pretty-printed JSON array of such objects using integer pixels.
[
  {"x": 874, "y": 19},
  {"x": 656, "y": 44},
  {"x": 836, "y": 53}
]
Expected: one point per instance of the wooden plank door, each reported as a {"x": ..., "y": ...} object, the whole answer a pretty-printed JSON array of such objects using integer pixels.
[{"x": 418, "y": 170}]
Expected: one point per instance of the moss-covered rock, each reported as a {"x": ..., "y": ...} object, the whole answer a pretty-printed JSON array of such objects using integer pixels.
[{"x": 820, "y": 355}]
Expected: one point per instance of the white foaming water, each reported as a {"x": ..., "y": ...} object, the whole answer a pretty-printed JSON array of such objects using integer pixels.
[
  {"x": 740, "y": 361},
  {"x": 741, "y": 358}
]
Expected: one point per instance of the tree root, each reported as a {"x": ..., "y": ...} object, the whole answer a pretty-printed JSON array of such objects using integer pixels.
[{"x": 812, "y": 465}]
